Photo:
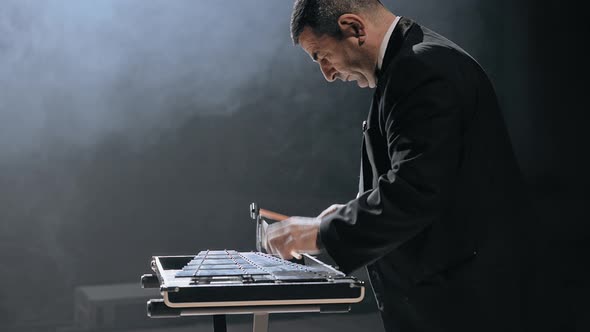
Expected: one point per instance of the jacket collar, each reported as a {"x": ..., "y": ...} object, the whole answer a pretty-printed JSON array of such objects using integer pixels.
[{"x": 395, "y": 44}]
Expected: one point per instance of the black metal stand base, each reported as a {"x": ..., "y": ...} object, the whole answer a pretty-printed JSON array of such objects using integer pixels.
[{"x": 219, "y": 323}]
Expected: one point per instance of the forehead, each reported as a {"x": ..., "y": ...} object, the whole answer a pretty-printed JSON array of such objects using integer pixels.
[{"x": 312, "y": 43}]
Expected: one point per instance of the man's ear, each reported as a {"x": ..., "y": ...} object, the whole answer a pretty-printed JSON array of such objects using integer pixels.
[{"x": 352, "y": 25}]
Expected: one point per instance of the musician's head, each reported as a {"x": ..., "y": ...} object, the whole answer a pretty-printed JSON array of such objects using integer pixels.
[{"x": 342, "y": 36}]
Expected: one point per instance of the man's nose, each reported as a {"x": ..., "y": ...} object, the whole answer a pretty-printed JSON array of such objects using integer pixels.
[{"x": 328, "y": 71}]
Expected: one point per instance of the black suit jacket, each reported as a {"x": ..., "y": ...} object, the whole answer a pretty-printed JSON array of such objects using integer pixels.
[{"x": 437, "y": 220}]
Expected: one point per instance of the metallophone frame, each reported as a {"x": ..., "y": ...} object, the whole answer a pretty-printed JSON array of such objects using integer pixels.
[{"x": 179, "y": 294}]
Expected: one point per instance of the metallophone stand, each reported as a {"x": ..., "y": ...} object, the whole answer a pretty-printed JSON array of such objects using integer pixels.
[
  {"x": 257, "y": 284},
  {"x": 158, "y": 309}
]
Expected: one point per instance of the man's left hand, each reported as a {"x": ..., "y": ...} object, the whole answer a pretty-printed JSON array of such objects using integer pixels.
[{"x": 293, "y": 236}]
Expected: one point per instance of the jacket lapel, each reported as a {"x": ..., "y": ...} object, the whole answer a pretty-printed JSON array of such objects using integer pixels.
[{"x": 367, "y": 158}]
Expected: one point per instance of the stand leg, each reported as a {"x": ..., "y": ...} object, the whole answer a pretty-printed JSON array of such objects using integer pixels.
[
  {"x": 219, "y": 323},
  {"x": 261, "y": 322}
]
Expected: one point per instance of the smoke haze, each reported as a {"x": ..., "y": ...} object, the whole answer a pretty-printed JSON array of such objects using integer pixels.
[{"x": 130, "y": 128}]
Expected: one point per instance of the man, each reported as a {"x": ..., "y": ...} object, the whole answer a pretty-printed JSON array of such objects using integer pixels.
[{"x": 437, "y": 218}]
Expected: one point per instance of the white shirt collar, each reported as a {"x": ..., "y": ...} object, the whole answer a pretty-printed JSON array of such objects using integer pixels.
[{"x": 385, "y": 42}]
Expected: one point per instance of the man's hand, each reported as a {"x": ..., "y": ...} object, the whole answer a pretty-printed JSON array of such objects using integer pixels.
[
  {"x": 330, "y": 210},
  {"x": 291, "y": 237}
]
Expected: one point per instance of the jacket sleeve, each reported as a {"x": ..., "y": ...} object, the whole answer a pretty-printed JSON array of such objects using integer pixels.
[{"x": 419, "y": 125}]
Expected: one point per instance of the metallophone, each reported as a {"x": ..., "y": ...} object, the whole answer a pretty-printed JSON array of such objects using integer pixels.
[{"x": 222, "y": 282}]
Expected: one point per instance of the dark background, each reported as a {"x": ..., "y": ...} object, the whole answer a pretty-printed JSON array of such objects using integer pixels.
[{"x": 135, "y": 128}]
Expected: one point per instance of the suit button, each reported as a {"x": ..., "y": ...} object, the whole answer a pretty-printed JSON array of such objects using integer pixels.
[{"x": 364, "y": 126}]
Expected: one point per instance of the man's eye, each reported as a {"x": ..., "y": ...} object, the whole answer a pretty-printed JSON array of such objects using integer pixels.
[{"x": 315, "y": 57}]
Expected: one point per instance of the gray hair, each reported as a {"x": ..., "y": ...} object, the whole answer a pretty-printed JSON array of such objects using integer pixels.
[{"x": 322, "y": 15}]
